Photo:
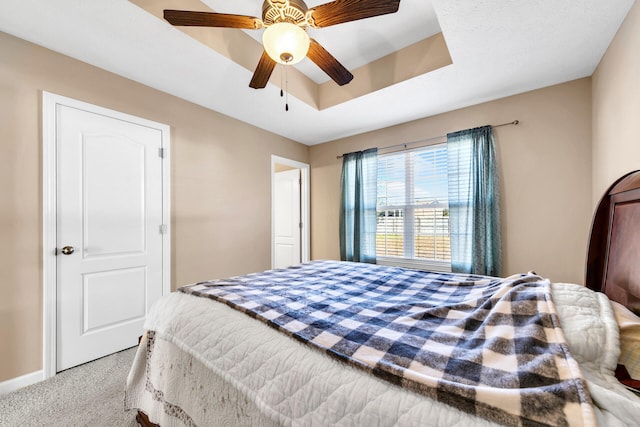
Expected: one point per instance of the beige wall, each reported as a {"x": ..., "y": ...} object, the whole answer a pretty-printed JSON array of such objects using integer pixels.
[
  {"x": 545, "y": 169},
  {"x": 616, "y": 107},
  {"x": 220, "y": 185}
]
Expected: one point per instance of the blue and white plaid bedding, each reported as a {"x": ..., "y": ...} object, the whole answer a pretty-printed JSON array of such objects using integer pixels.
[{"x": 491, "y": 347}]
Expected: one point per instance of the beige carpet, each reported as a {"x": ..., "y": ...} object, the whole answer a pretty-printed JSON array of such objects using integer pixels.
[{"x": 88, "y": 395}]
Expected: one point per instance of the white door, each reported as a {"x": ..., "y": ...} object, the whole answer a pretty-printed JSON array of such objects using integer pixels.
[
  {"x": 109, "y": 241},
  {"x": 287, "y": 218}
]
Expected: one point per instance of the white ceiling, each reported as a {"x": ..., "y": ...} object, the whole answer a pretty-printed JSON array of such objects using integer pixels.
[{"x": 498, "y": 47}]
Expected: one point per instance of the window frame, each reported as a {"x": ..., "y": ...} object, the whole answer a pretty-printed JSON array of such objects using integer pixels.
[{"x": 409, "y": 220}]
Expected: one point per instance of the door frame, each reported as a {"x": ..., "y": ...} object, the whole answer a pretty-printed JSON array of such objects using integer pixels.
[
  {"x": 50, "y": 102},
  {"x": 305, "y": 232}
]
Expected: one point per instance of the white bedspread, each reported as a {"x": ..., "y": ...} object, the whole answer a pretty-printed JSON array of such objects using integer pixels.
[
  {"x": 592, "y": 334},
  {"x": 291, "y": 384}
]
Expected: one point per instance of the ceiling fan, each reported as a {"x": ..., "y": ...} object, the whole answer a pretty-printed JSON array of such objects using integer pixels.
[{"x": 285, "y": 38}]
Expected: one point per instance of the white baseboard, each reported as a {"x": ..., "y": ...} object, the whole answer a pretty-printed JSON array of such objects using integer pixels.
[{"x": 19, "y": 382}]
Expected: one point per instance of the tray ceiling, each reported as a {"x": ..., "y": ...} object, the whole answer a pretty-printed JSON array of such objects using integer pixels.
[{"x": 496, "y": 48}]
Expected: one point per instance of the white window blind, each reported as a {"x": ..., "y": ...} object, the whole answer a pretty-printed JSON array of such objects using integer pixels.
[{"x": 412, "y": 208}]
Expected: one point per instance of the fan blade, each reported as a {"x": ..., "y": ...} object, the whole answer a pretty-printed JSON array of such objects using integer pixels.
[
  {"x": 330, "y": 65},
  {"x": 263, "y": 72},
  {"x": 210, "y": 19},
  {"x": 340, "y": 11}
]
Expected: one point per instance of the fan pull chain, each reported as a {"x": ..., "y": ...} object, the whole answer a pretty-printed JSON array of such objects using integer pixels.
[{"x": 286, "y": 90}]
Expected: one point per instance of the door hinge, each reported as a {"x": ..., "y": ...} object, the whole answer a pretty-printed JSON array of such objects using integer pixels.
[
  {"x": 163, "y": 229},
  {"x": 161, "y": 152},
  {"x": 300, "y": 225}
]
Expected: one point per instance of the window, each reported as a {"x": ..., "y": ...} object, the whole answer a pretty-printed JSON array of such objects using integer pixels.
[{"x": 412, "y": 208}]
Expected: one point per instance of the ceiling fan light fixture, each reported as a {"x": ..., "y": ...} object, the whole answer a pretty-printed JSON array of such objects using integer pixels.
[
  {"x": 285, "y": 43},
  {"x": 285, "y": 36}
]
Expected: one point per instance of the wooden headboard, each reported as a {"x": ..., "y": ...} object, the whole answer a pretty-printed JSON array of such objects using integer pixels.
[{"x": 613, "y": 260}]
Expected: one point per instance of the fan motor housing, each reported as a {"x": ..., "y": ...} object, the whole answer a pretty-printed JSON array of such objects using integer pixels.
[{"x": 293, "y": 11}]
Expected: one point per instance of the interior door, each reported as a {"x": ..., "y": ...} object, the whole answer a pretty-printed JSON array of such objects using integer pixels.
[
  {"x": 109, "y": 241},
  {"x": 287, "y": 218}
]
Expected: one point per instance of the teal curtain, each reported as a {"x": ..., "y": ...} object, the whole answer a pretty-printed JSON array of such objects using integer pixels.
[
  {"x": 474, "y": 202},
  {"x": 358, "y": 206}
]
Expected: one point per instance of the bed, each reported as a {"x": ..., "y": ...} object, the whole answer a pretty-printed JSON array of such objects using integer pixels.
[{"x": 274, "y": 348}]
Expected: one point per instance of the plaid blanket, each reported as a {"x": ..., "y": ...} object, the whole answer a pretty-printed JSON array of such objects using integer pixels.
[{"x": 491, "y": 347}]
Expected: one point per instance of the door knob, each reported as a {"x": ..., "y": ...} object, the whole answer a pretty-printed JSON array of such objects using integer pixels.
[{"x": 68, "y": 250}]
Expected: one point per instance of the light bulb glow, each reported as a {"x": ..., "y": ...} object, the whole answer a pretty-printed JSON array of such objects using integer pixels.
[{"x": 285, "y": 43}]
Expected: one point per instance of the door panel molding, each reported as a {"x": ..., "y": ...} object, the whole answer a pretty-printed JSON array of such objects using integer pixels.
[
  {"x": 50, "y": 103},
  {"x": 304, "y": 205}
]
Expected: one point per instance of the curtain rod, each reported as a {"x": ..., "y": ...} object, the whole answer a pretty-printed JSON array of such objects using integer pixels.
[{"x": 515, "y": 122}]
